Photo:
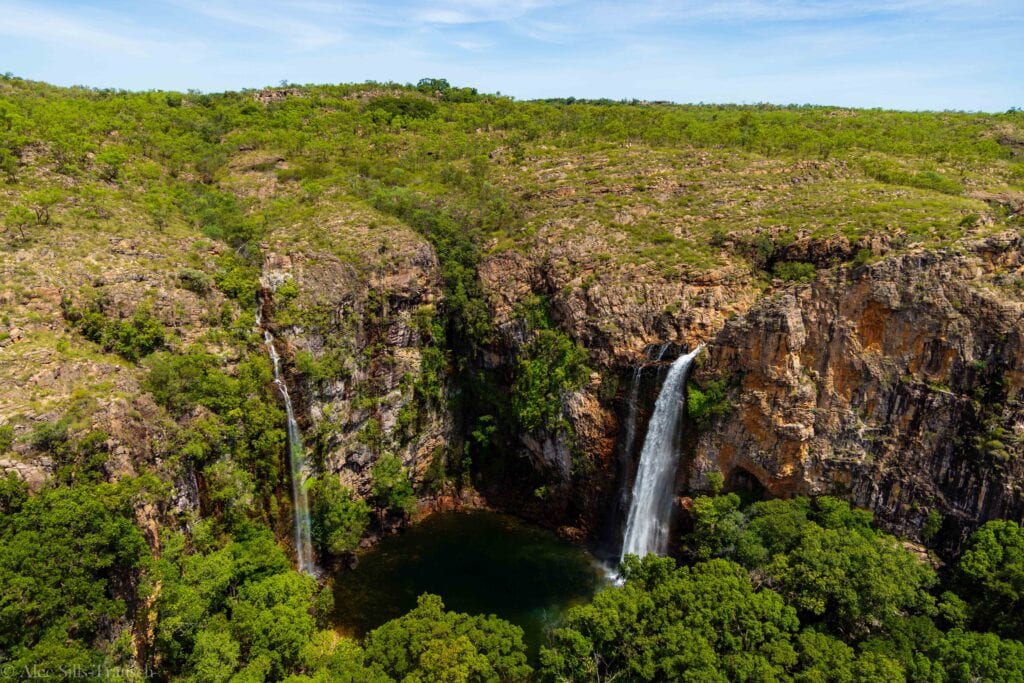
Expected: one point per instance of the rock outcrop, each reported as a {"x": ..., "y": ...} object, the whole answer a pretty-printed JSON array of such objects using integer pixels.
[
  {"x": 352, "y": 328},
  {"x": 618, "y": 314},
  {"x": 896, "y": 385}
]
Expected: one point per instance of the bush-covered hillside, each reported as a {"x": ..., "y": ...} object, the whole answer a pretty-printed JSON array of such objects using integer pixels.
[{"x": 145, "y": 514}]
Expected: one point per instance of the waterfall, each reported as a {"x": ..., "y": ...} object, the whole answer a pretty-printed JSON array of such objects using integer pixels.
[
  {"x": 296, "y": 461},
  {"x": 629, "y": 437},
  {"x": 651, "y": 507}
]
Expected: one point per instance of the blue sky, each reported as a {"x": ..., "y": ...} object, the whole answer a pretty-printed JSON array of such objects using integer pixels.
[{"x": 906, "y": 54}]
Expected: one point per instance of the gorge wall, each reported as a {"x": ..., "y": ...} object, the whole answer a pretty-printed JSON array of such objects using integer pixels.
[{"x": 896, "y": 385}]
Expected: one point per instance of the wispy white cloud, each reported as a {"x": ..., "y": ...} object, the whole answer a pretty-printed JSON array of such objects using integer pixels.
[
  {"x": 445, "y": 16},
  {"x": 741, "y": 11},
  {"x": 511, "y": 13},
  {"x": 24, "y": 21},
  {"x": 929, "y": 53},
  {"x": 276, "y": 19},
  {"x": 472, "y": 45}
]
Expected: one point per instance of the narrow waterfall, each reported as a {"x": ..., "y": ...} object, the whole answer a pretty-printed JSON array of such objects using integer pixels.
[
  {"x": 651, "y": 506},
  {"x": 296, "y": 461}
]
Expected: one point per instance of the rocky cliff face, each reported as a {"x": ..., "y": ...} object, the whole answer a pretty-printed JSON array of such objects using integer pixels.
[
  {"x": 896, "y": 385},
  {"x": 619, "y": 313},
  {"x": 350, "y": 303},
  {"x": 49, "y": 373}
]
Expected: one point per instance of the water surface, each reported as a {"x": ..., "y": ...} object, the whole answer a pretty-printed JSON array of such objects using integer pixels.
[{"x": 478, "y": 562}]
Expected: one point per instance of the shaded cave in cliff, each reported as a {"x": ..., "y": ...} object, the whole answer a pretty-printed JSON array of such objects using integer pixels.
[{"x": 746, "y": 485}]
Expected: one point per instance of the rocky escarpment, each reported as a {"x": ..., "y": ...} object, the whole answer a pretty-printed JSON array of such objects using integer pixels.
[
  {"x": 52, "y": 375},
  {"x": 351, "y": 305},
  {"x": 897, "y": 385},
  {"x": 618, "y": 313}
]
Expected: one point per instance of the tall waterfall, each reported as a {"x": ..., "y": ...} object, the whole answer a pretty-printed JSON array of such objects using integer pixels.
[
  {"x": 633, "y": 409},
  {"x": 651, "y": 507},
  {"x": 296, "y": 461}
]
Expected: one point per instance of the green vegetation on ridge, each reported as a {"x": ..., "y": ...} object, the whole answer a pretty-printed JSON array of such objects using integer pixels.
[{"x": 134, "y": 227}]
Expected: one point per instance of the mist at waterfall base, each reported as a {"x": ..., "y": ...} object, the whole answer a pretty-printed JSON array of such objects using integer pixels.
[
  {"x": 650, "y": 510},
  {"x": 479, "y": 563}
]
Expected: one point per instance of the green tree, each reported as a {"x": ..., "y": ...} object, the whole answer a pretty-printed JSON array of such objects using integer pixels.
[
  {"x": 855, "y": 582},
  {"x": 43, "y": 201},
  {"x": 705, "y": 622},
  {"x": 717, "y": 528},
  {"x": 552, "y": 364},
  {"x": 13, "y": 494},
  {"x": 110, "y": 161},
  {"x": 707, "y": 401},
  {"x": 430, "y": 644},
  {"x": 968, "y": 657},
  {"x": 215, "y": 655},
  {"x": 991, "y": 574},
  {"x": 225, "y": 602},
  {"x": 6, "y": 438},
  {"x": 330, "y": 658},
  {"x": 822, "y": 555},
  {"x": 18, "y": 218},
  {"x": 271, "y": 619},
  {"x": 339, "y": 517},
  {"x": 391, "y": 487},
  {"x": 67, "y": 558},
  {"x": 136, "y": 337}
]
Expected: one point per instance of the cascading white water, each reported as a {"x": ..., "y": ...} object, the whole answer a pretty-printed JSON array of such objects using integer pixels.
[
  {"x": 629, "y": 438},
  {"x": 651, "y": 506},
  {"x": 296, "y": 462}
]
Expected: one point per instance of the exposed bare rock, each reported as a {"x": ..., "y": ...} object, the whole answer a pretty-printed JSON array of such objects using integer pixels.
[
  {"x": 616, "y": 312},
  {"x": 896, "y": 385},
  {"x": 360, "y": 288},
  {"x": 34, "y": 472}
]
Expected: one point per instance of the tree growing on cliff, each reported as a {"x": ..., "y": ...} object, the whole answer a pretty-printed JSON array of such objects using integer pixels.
[
  {"x": 391, "y": 486},
  {"x": 339, "y": 517},
  {"x": 552, "y": 363}
]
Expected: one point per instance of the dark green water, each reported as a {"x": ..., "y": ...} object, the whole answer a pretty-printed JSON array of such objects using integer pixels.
[{"x": 478, "y": 562}]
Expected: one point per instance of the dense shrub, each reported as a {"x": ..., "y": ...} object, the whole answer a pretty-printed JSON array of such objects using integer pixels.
[
  {"x": 551, "y": 365},
  {"x": 429, "y": 643},
  {"x": 132, "y": 338},
  {"x": 6, "y": 438},
  {"x": 801, "y": 590},
  {"x": 991, "y": 575},
  {"x": 391, "y": 486},
  {"x": 195, "y": 281},
  {"x": 339, "y": 518},
  {"x": 407, "y": 107},
  {"x": 706, "y": 401},
  {"x": 794, "y": 271},
  {"x": 68, "y": 559}
]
